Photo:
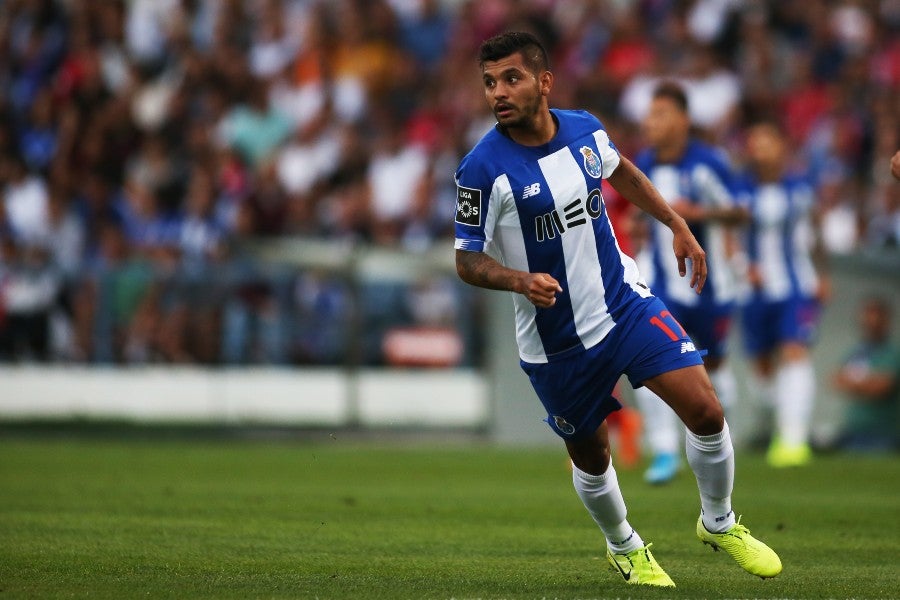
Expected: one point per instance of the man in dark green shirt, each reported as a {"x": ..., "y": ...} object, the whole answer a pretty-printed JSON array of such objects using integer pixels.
[{"x": 870, "y": 380}]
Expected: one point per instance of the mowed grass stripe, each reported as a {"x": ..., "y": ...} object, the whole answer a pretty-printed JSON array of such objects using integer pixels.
[{"x": 178, "y": 519}]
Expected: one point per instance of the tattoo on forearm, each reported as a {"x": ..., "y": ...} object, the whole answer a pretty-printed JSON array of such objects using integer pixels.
[
  {"x": 636, "y": 180},
  {"x": 483, "y": 271}
]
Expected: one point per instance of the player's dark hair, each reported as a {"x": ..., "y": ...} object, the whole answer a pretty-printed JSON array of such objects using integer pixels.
[
  {"x": 506, "y": 44},
  {"x": 674, "y": 92}
]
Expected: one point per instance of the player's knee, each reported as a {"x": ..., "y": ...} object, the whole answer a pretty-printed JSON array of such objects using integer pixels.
[
  {"x": 590, "y": 455},
  {"x": 713, "y": 363},
  {"x": 706, "y": 418}
]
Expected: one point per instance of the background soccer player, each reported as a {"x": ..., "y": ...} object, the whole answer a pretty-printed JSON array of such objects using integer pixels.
[
  {"x": 695, "y": 180},
  {"x": 781, "y": 313},
  {"x": 529, "y": 195}
]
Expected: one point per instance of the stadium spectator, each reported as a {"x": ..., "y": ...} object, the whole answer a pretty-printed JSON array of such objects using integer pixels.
[
  {"x": 29, "y": 286},
  {"x": 24, "y": 200},
  {"x": 869, "y": 379}
]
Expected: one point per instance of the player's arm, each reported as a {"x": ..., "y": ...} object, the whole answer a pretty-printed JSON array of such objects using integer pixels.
[
  {"x": 631, "y": 182},
  {"x": 726, "y": 215},
  {"x": 717, "y": 193},
  {"x": 479, "y": 269}
]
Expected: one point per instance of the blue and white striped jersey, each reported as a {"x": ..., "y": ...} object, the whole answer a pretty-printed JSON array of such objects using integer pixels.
[
  {"x": 780, "y": 236},
  {"x": 540, "y": 210},
  {"x": 701, "y": 177}
]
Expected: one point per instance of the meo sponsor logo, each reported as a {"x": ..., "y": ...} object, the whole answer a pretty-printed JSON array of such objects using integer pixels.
[
  {"x": 551, "y": 224},
  {"x": 468, "y": 206}
]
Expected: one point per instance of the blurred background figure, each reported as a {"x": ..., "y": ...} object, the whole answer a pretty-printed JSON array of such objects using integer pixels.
[
  {"x": 786, "y": 287},
  {"x": 869, "y": 380},
  {"x": 695, "y": 179}
]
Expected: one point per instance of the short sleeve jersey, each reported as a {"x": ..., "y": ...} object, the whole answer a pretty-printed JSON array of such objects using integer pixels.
[
  {"x": 701, "y": 177},
  {"x": 540, "y": 209},
  {"x": 780, "y": 236}
]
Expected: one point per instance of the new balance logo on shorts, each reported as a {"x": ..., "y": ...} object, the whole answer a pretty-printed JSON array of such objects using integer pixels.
[{"x": 687, "y": 347}]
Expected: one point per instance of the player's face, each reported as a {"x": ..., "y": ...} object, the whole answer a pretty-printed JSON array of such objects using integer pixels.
[
  {"x": 512, "y": 91},
  {"x": 765, "y": 146},
  {"x": 665, "y": 122}
]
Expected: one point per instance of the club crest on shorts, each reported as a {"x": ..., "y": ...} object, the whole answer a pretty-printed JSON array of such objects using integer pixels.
[
  {"x": 592, "y": 163},
  {"x": 564, "y": 426}
]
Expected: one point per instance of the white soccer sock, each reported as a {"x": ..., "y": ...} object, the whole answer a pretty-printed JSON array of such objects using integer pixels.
[
  {"x": 711, "y": 457},
  {"x": 726, "y": 387},
  {"x": 603, "y": 500},
  {"x": 661, "y": 424},
  {"x": 795, "y": 388},
  {"x": 763, "y": 390}
]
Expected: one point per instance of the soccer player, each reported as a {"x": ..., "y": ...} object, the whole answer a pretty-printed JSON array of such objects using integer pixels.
[
  {"x": 694, "y": 179},
  {"x": 531, "y": 220},
  {"x": 781, "y": 312}
]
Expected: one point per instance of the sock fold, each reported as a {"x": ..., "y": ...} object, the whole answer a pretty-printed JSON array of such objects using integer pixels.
[{"x": 603, "y": 500}]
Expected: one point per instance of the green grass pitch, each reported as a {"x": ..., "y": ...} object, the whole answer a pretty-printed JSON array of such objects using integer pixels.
[{"x": 338, "y": 519}]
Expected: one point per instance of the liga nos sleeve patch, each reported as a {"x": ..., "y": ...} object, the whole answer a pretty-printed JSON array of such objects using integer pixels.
[{"x": 468, "y": 206}]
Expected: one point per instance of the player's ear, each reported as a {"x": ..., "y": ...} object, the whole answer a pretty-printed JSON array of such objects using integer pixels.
[{"x": 546, "y": 81}]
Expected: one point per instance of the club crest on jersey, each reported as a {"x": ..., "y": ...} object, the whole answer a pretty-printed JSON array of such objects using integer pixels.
[
  {"x": 468, "y": 206},
  {"x": 592, "y": 163},
  {"x": 564, "y": 426}
]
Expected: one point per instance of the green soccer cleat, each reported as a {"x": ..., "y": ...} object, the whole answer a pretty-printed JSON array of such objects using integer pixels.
[
  {"x": 639, "y": 567},
  {"x": 750, "y": 553},
  {"x": 781, "y": 455}
]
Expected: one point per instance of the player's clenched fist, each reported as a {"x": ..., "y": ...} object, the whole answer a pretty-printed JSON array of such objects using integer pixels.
[{"x": 540, "y": 289}]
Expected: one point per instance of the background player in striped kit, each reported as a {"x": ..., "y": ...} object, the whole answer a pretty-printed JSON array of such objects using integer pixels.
[
  {"x": 781, "y": 313},
  {"x": 531, "y": 220},
  {"x": 696, "y": 181}
]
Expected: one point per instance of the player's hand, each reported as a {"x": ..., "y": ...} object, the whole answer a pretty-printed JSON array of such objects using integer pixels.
[
  {"x": 540, "y": 289},
  {"x": 687, "y": 247}
]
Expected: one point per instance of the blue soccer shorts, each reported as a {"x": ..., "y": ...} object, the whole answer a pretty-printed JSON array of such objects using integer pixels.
[
  {"x": 707, "y": 324},
  {"x": 767, "y": 324},
  {"x": 576, "y": 390}
]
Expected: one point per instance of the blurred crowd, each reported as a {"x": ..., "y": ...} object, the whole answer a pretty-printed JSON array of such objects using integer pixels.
[{"x": 143, "y": 141}]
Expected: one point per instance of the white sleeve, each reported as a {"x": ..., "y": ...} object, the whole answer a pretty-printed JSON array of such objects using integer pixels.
[{"x": 608, "y": 152}]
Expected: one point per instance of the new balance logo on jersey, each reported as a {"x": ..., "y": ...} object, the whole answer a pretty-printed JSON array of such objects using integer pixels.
[
  {"x": 551, "y": 224},
  {"x": 687, "y": 347},
  {"x": 531, "y": 190}
]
